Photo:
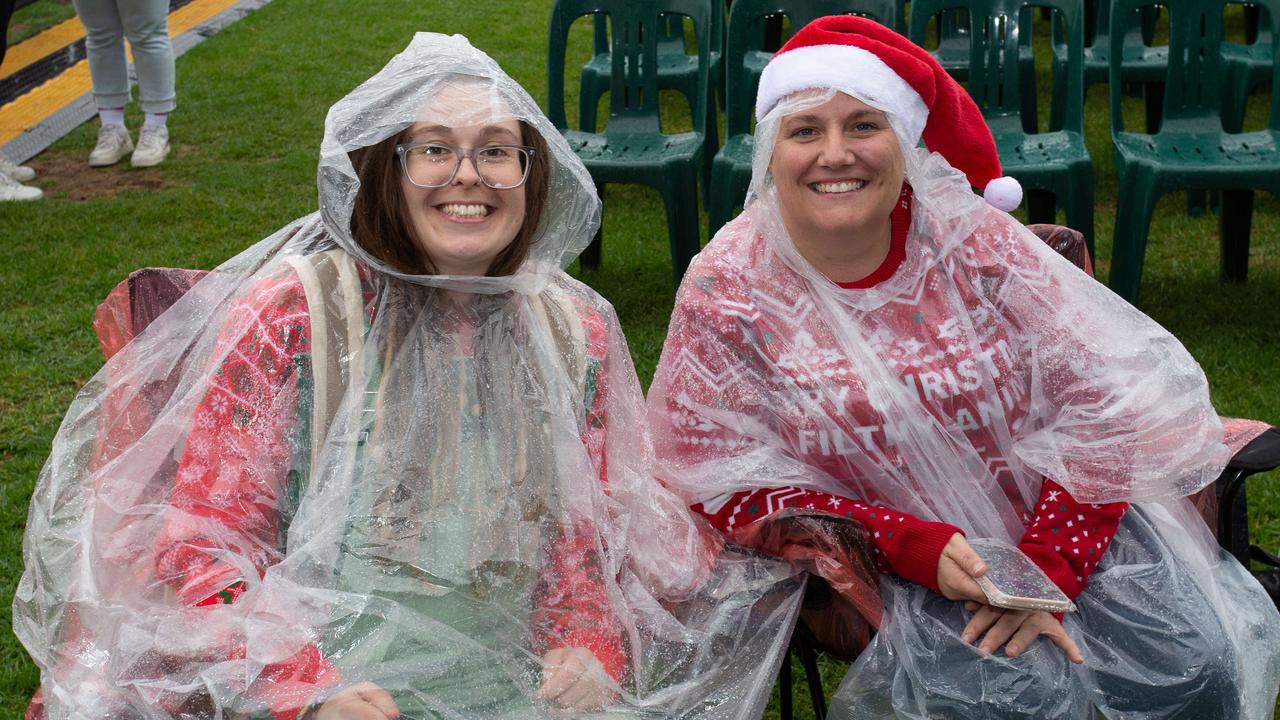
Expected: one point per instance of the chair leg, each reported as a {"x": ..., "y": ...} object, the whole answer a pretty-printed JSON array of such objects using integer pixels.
[
  {"x": 1234, "y": 224},
  {"x": 1134, "y": 205},
  {"x": 719, "y": 197},
  {"x": 590, "y": 257},
  {"x": 803, "y": 646},
  {"x": 784, "y": 688},
  {"x": 1197, "y": 203},
  {"x": 711, "y": 145},
  {"x": 1078, "y": 202},
  {"x": 1041, "y": 206},
  {"x": 682, "y": 218},
  {"x": 1233, "y": 513}
]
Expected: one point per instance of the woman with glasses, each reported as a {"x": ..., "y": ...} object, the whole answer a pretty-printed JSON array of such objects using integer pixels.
[{"x": 397, "y": 466}]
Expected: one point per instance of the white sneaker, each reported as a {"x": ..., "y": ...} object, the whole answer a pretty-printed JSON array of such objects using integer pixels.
[
  {"x": 21, "y": 173},
  {"x": 11, "y": 189},
  {"x": 113, "y": 145},
  {"x": 153, "y": 146}
]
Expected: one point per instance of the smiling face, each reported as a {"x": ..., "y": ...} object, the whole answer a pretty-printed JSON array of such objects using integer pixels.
[
  {"x": 838, "y": 169},
  {"x": 464, "y": 225}
]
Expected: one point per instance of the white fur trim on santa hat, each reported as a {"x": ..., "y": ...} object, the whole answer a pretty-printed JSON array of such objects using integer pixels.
[
  {"x": 1003, "y": 193},
  {"x": 850, "y": 70}
]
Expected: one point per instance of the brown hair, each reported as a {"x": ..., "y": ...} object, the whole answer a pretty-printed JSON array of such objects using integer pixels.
[{"x": 380, "y": 220}]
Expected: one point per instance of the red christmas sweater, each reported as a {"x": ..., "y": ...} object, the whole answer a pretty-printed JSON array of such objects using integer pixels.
[
  {"x": 1064, "y": 537},
  {"x": 231, "y": 479}
]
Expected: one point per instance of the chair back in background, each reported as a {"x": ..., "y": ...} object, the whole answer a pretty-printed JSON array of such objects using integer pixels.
[{"x": 637, "y": 31}]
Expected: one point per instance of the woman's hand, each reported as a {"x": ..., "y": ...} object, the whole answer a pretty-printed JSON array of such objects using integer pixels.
[
  {"x": 958, "y": 565},
  {"x": 1015, "y": 630},
  {"x": 572, "y": 681},
  {"x": 365, "y": 701}
]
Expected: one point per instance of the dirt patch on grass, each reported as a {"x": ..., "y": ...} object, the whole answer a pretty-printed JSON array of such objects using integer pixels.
[{"x": 67, "y": 175}]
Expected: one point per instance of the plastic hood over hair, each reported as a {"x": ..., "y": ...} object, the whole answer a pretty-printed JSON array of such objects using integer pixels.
[
  {"x": 312, "y": 472},
  {"x": 475, "y": 91},
  {"x": 949, "y": 391}
]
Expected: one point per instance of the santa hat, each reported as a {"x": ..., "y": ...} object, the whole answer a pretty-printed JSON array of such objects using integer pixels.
[{"x": 866, "y": 60}]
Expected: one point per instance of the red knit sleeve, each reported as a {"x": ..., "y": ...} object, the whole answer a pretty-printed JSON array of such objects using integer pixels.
[
  {"x": 571, "y": 606},
  {"x": 903, "y": 544},
  {"x": 229, "y": 480},
  {"x": 232, "y": 472},
  {"x": 1067, "y": 539},
  {"x": 571, "y": 603}
]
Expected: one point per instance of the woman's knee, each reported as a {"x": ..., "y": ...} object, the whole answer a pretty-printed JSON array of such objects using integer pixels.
[{"x": 1194, "y": 676}]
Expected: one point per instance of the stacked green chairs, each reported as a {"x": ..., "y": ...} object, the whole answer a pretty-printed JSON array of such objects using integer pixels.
[
  {"x": 677, "y": 70},
  {"x": 1191, "y": 149},
  {"x": 1054, "y": 163},
  {"x": 1248, "y": 66},
  {"x": 954, "y": 35},
  {"x": 1140, "y": 63},
  {"x": 745, "y": 59},
  {"x": 633, "y": 147}
]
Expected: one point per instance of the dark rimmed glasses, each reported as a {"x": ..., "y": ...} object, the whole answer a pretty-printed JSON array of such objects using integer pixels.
[{"x": 434, "y": 165}]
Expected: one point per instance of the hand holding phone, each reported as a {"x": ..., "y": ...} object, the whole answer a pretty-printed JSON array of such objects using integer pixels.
[{"x": 1013, "y": 580}]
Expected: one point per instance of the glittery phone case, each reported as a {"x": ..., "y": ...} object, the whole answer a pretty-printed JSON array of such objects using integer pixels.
[{"x": 1014, "y": 581}]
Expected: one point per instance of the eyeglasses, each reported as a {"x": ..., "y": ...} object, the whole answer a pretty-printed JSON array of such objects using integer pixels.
[{"x": 432, "y": 165}]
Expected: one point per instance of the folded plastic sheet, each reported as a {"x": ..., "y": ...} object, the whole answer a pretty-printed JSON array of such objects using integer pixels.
[
  {"x": 315, "y": 470},
  {"x": 985, "y": 364}
]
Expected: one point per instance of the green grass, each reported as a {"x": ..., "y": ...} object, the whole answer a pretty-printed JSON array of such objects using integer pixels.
[
  {"x": 37, "y": 17},
  {"x": 246, "y": 137}
]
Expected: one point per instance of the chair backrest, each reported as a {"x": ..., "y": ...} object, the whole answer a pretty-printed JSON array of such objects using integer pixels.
[
  {"x": 1097, "y": 27},
  {"x": 1196, "y": 71},
  {"x": 745, "y": 34},
  {"x": 998, "y": 28},
  {"x": 637, "y": 30},
  {"x": 1266, "y": 41},
  {"x": 671, "y": 33}
]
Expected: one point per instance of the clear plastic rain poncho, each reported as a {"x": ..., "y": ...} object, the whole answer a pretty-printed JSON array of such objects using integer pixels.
[
  {"x": 950, "y": 391},
  {"x": 422, "y": 482}
]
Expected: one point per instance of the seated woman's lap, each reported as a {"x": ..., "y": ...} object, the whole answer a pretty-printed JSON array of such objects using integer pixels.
[{"x": 1152, "y": 642}]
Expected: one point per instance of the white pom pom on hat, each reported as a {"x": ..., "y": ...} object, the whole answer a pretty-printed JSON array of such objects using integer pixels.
[
  {"x": 1003, "y": 193},
  {"x": 871, "y": 62}
]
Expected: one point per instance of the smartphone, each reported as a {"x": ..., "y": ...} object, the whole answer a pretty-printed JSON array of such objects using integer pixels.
[{"x": 1014, "y": 581}]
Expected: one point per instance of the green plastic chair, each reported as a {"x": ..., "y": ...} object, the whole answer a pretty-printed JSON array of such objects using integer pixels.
[
  {"x": 1191, "y": 149},
  {"x": 954, "y": 34},
  {"x": 677, "y": 70},
  {"x": 744, "y": 61},
  {"x": 1054, "y": 163},
  {"x": 633, "y": 148},
  {"x": 1140, "y": 63},
  {"x": 1249, "y": 65}
]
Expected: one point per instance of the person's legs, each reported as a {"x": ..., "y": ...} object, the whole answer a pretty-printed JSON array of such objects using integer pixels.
[
  {"x": 146, "y": 24},
  {"x": 108, "y": 66},
  {"x": 1154, "y": 645},
  {"x": 104, "y": 43},
  {"x": 917, "y": 666}
]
